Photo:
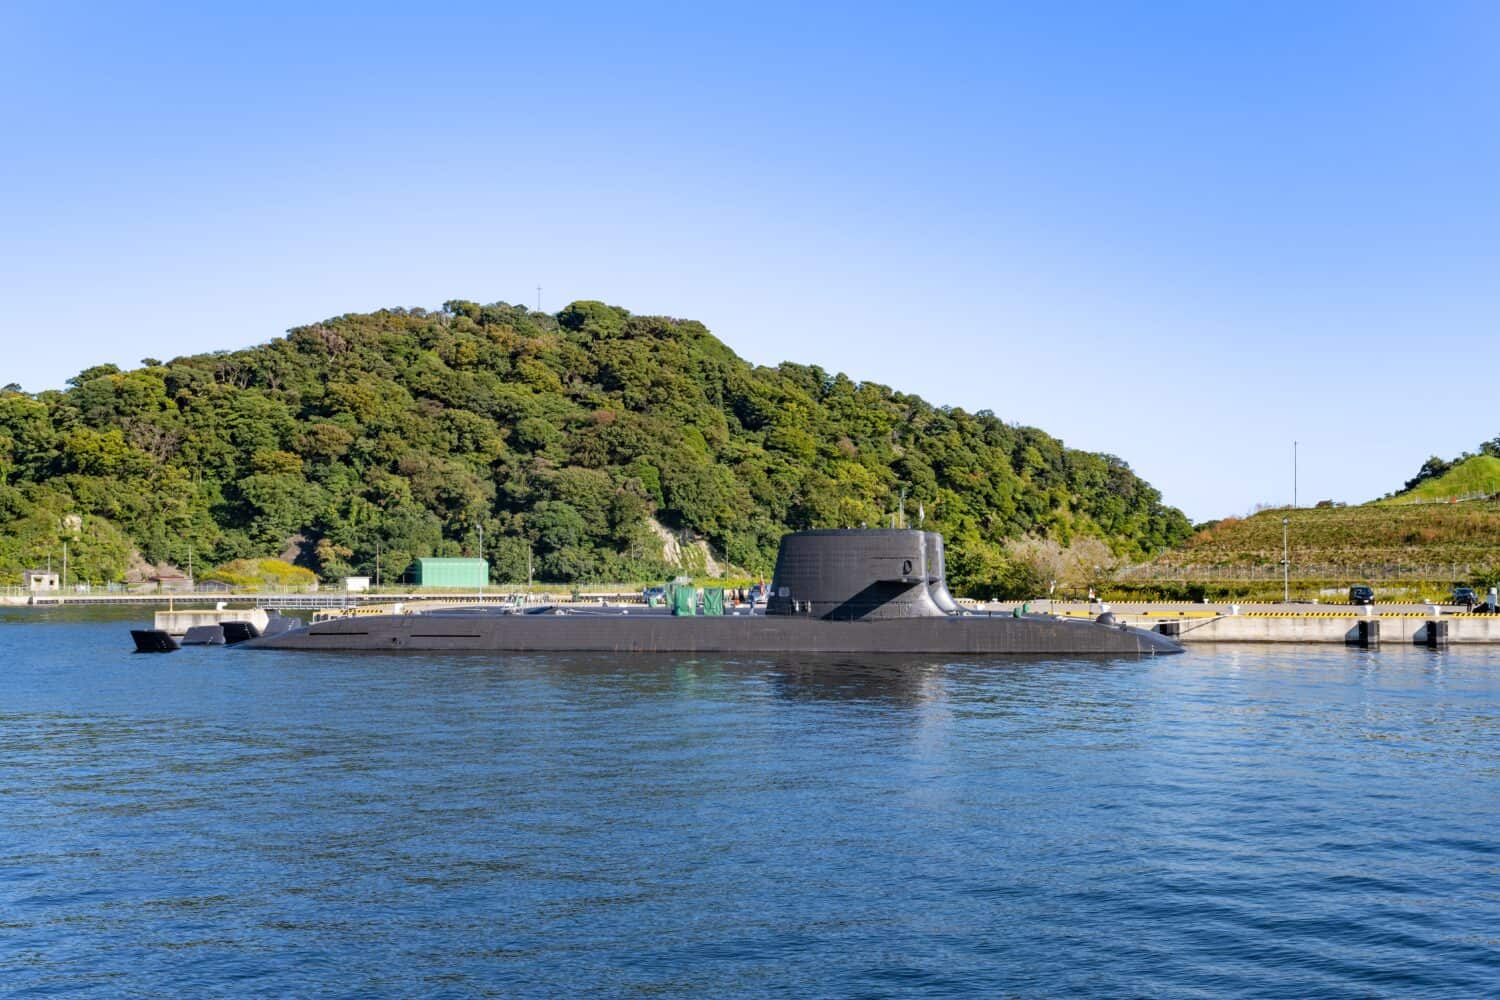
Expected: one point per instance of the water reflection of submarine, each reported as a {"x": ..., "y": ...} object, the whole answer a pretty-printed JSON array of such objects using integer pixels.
[
  {"x": 875, "y": 677},
  {"x": 892, "y": 679},
  {"x": 849, "y": 591}
]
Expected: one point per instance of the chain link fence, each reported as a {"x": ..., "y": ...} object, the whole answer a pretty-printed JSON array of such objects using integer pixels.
[{"x": 1354, "y": 572}]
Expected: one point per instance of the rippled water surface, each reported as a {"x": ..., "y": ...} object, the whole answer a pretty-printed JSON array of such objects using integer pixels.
[{"x": 1244, "y": 821}]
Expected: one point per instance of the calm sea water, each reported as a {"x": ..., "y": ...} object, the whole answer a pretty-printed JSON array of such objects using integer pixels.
[{"x": 1239, "y": 821}]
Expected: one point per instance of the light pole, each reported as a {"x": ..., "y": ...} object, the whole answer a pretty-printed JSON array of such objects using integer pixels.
[{"x": 1286, "y": 586}]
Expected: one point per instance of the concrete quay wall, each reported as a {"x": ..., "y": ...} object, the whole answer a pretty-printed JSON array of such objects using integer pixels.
[
  {"x": 1409, "y": 624},
  {"x": 1401, "y": 629}
]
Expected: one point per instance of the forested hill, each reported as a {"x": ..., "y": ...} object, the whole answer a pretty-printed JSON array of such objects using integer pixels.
[{"x": 406, "y": 431}]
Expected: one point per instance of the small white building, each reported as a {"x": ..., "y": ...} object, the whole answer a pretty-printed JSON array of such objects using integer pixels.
[
  {"x": 40, "y": 581},
  {"x": 356, "y": 584}
]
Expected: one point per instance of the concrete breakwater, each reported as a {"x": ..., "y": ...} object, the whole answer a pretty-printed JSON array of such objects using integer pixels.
[{"x": 1421, "y": 625}]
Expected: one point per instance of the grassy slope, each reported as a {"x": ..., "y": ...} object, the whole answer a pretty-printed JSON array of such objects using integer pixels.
[
  {"x": 1374, "y": 534},
  {"x": 1417, "y": 543},
  {"x": 1479, "y": 474}
]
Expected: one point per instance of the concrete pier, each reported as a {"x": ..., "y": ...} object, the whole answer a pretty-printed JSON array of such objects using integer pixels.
[
  {"x": 1405, "y": 629},
  {"x": 1419, "y": 625},
  {"x": 176, "y": 623}
]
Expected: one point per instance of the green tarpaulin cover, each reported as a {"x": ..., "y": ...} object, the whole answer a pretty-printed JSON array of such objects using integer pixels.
[
  {"x": 684, "y": 600},
  {"x": 713, "y": 600}
]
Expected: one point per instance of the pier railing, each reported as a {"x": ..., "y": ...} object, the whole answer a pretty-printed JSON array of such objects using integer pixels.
[{"x": 292, "y": 600}]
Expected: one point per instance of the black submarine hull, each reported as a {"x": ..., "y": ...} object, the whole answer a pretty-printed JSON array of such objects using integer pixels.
[{"x": 613, "y": 631}]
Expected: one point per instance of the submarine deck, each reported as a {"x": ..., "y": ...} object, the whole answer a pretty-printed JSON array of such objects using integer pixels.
[{"x": 645, "y": 631}]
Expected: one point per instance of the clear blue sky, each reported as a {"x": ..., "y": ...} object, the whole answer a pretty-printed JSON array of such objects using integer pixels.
[{"x": 1183, "y": 233}]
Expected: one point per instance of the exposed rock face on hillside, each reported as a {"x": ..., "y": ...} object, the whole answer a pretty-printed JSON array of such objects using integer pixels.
[{"x": 694, "y": 559}]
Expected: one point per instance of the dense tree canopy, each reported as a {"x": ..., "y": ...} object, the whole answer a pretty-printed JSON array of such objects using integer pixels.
[{"x": 409, "y": 432}]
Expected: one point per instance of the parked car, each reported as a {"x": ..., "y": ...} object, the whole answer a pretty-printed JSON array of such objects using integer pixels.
[
  {"x": 1361, "y": 595},
  {"x": 1464, "y": 597},
  {"x": 758, "y": 594},
  {"x": 654, "y": 595}
]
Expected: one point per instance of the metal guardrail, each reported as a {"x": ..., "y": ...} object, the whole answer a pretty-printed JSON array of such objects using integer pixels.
[{"x": 301, "y": 600}]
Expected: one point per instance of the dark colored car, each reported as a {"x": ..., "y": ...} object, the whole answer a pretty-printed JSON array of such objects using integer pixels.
[
  {"x": 1361, "y": 595},
  {"x": 1464, "y": 597},
  {"x": 758, "y": 594}
]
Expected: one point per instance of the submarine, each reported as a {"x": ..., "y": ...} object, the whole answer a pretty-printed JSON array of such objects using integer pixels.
[{"x": 834, "y": 591}]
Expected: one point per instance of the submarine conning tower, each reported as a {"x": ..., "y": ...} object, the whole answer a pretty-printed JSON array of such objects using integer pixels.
[{"x": 848, "y": 575}]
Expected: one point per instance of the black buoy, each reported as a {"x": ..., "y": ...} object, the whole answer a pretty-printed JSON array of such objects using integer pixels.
[{"x": 153, "y": 640}]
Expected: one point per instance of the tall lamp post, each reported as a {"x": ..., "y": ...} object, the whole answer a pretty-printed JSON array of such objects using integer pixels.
[{"x": 1286, "y": 585}]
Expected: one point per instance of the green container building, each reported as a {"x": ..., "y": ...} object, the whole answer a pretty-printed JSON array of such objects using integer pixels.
[{"x": 470, "y": 574}]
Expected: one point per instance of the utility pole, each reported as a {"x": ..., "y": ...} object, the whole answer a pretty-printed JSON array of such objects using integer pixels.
[
  {"x": 65, "y": 568},
  {"x": 481, "y": 555},
  {"x": 1294, "y": 475},
  {"x": 377, "y": 564},
  {"x": 1286, "y": 566},
  {"x": 538, "y": 298}
]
